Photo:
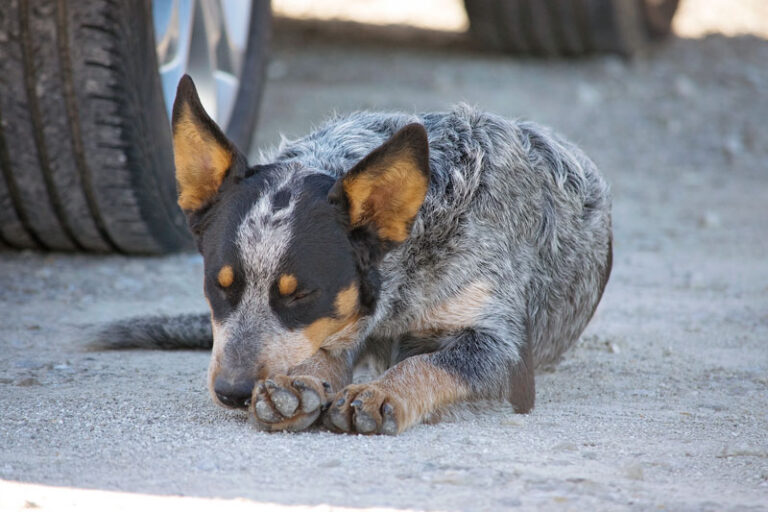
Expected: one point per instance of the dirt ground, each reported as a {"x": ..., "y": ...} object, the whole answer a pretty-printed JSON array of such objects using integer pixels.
[{"x": 662, "y": 405}]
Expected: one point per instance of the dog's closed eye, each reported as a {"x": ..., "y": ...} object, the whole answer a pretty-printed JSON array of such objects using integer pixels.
[
  {"x": 299, "y": 296},
  {"x": 288, "y": 286}
]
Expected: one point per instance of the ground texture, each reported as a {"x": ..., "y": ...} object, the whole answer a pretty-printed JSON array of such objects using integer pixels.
[{"x": 663, "y": 404}]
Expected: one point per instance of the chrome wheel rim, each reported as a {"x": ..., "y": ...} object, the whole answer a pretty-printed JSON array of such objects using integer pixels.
[{"x": 206, "y": 39}]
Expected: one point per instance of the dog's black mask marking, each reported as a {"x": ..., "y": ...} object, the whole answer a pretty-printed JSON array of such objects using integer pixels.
[
  {"x": 319, "y": 256},
  {"x": 216, "y": 226},
  {"x": 323, "y": 255}
]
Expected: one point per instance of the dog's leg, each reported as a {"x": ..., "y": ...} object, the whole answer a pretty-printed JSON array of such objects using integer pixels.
[
  {"x": 294, "y": 401},
  {"x": 473, "y": 365}
]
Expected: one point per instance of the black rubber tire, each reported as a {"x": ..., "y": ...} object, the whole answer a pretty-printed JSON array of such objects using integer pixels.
[
  {"x": 242, "y": 123},
  {"x": 658, "y": 16},
  {"x": 486, "y": 31},
  {"x": 541, "y": 25},
  {"x": 569, "y": 27},
  {"x": 570, "y": 23},
  {"x": 85, "y": 143},
  {"x": 616, "y": 26}
]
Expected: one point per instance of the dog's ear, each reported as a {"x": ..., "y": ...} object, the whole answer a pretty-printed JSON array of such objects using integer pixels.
[
  {"x": 386, "y": 188},
  {"x": 202, "y": 153}
]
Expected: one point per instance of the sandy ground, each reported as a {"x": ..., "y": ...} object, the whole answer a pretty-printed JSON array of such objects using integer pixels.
[{"x": 662, "y": 405}]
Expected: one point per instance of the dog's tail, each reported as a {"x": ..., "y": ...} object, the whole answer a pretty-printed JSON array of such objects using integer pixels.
[{"x": 182, "y": 332}]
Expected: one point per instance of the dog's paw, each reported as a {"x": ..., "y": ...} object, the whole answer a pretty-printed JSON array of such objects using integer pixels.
[
  {"x": 365, "y": 409},
  {"x": 288, "y": 403}
]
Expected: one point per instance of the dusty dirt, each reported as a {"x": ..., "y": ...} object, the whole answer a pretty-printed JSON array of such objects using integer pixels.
[{"x": 662, "y": 405}]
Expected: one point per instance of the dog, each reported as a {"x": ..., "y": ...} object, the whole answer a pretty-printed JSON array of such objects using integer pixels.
[{"x": 458, "y": 250}]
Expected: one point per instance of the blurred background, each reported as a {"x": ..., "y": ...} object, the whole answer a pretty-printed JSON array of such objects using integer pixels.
[
  {"x": 345, "y": 57},
  {"x": 86, "y": 90},
  {"x": 678, "y": 127},
  {"x": 694, "y": 18}
]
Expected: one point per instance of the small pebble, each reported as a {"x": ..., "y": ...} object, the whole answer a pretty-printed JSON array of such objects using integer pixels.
[
  {"x": 29, "y": 364},
  {"x": 733, "y": 147},
  {"x": 509, "y": 502},
  {"x": 684, "y": 87},
  {"x": 635, "y": 472},
  {"x": 710, "y": 219},
  {"x": 741, "y": 449},
  {"x": 587, "y": 95},
  {"x": 27, "y": 382}
]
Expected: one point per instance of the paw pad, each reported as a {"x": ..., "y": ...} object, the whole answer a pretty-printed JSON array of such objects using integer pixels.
[
  {"x": 283, "y": 403},
  {"x": 364, "y": 410}
]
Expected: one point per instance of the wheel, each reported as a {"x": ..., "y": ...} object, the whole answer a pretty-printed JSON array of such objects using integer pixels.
[
  {"x": 658, "y": 16},
  {"x": 569, "y": 27},
  {"x": 615, "y": 26},
  {"x": 223, "y": 45},
  {"x": 482, "y": 15},
  {"x": 85, "y": 144}
]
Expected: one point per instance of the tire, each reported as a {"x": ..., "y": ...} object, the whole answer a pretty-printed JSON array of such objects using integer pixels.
[
  {"x": 616, "y": 26},
  {"x": 569, "y": 27},
  {"x": 243, "y": 122},
  {"x": 658, "y": 16},
  {"x": 483, "y": 26},
  {"x": 85, "y": 142}
]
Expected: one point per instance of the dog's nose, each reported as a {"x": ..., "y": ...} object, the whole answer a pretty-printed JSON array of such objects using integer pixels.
[{"x": 235, "y": 393}]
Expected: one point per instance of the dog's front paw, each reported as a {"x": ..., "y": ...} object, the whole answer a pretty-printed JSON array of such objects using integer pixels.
[
  {"x": 288, "y": 403},
  {"x": 365, "y": 409}
]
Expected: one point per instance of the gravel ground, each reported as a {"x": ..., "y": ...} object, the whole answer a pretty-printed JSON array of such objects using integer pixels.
[{"x": 662, "y": 405}]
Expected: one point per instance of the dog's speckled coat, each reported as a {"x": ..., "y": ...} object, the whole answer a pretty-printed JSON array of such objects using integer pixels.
[
  {"x": 504, "y": 265},
  {"x": 509, "y": 204}
]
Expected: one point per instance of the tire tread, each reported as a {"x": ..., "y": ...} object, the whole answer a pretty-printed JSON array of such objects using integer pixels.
[
  {"x": 85, "y": 155},
  {"x": 568, "y": 27}
]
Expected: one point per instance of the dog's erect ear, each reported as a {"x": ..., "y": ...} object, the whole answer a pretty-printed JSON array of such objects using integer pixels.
[
  {"x": 387, "y": 187},
  {"x": 202, "y": 153}
]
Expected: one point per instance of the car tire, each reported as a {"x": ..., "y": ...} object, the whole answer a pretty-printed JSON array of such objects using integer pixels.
[
  {"x": 658, "y": 16},
  {"x": 551, "y": 28},
  {"x": 85, "y": 142}
]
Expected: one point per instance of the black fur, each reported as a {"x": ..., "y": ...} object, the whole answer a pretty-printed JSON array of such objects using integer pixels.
[
  {"x": 182, "y": 332},
  {"x": 319, "y": 256}
]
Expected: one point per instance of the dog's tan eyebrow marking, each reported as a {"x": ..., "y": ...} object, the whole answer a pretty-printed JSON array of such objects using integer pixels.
[
  {"x": 346, "y": 301},
  {"x": 287, "y": 284},
  {"x": 226, "y": 276}
]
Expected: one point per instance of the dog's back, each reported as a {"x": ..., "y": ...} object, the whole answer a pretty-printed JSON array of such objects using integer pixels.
[{"x": 514, "y": 233}]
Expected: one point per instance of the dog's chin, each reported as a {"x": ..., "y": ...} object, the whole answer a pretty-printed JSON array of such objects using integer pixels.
[{"x": 230, "y": 407}]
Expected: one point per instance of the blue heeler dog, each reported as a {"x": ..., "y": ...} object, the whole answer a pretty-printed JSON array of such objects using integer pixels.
[{"x": 459, "y": 250}]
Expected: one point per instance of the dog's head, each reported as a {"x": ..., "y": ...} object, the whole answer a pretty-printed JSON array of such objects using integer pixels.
[{"x": 290, "y": 254}]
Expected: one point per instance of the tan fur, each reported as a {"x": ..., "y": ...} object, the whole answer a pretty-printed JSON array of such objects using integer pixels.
[
  {"x": 226, "y": 276},
  {"x": 287, "y": 284},
  {"x": 389, "y": 196},
  {"x": 346, "y": 301},
  {"x": 321, "y": 332},
  {"x": 320, "y": 329},
  {"x": 332, "y": 333},
  {"x": 414, "y": 388},
  {"x": 283, "y": 353},
  {"x": 421, "y": 387},
  {"x": 458, "y": 312},
  {"x": 201, "y": 162},
  {"x": 280, "y": 355},
  {"x": 327, "y": 366}
]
